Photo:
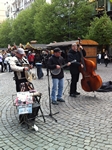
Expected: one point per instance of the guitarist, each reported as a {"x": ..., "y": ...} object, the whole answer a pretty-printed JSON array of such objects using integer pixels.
[
  {"x": 55, "y": 62},
  {"x": 74, "y": 67}
]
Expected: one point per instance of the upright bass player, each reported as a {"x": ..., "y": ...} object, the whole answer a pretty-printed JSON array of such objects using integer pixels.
[{"x": 74, "y": 54}]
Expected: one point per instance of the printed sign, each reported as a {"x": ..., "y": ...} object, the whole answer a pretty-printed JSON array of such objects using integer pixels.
[{"x": 25, "y": 109}]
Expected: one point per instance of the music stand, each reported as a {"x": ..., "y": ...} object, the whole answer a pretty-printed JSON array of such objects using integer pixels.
[{"x": 50, "y": 114}]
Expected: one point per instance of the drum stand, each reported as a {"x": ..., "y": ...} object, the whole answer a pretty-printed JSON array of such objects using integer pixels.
[{"x": 50, "y": 114}]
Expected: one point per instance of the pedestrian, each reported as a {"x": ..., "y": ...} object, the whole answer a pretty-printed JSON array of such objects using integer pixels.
[
  {"x": 31, "y": 59},
  {"x": 1, "y": 62},
  {"x": 74, "y": 54},
  {"x": 55, "y": 62},
  {"x": 17, "y": 64},
  {"x": 99, "y": 58},
  {"x": 106, "y": 59},
  {"x": 7, "y": 60},
  {"x": 4, "y": 54},
  {"x": 46, "y": 60}
]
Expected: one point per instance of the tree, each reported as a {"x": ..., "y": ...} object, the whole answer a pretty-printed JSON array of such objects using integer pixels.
[
  {"x": 62, "y": 20},
  {"x": 100, "y": 30},
  {"x": 5, "y": 36},
  {"x": 22, "y": 29}
]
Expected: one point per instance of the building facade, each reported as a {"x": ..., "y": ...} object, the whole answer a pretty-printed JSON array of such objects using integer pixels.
[
  {"x": 103, "y": 6},
  {"x": 2, "y": 12},
  {"x": 14, "y": 7}
]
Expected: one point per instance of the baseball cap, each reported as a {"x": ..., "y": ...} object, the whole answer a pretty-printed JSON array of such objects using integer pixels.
[{"x": 57, "y": 50}]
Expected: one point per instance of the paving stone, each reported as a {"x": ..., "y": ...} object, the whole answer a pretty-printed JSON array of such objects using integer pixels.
[
  {"x": 29, "y": 144},
  {"x": 82, "y": 123},
  {"x": 5, "y": 148},
  {"x": 87, "y": 148},
  {"x": 51, "y": 149},
  {"x": 39, "y": 148},
  {"x": 72, "y": 148}
]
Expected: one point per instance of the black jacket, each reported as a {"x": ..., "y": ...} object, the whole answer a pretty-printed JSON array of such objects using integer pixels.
[
  {"x": 52, "y": 62},
  {"x": 73, "y": 55}
]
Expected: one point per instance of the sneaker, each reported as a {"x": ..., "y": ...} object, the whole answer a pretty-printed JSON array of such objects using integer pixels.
[
  {"x": 72, "y": 95},
  {"x": 77, "y": 93},
  {"x": 54, "y": 102},
  {"x": 60, "y": 100}
]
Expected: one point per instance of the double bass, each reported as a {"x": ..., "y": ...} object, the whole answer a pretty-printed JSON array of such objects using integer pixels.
[{"x": 90, "y": 81}]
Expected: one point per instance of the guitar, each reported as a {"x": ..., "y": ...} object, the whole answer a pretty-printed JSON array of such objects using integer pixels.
[{"x": 57, "y": 71}]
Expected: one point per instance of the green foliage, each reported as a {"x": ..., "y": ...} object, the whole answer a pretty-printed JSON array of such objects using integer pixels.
[
  {"x": 100, "y": 30},
  {"x": 22, "y": 30},
  {"x": 62, "y": 20},
  {"x": 5, "y": 30}
]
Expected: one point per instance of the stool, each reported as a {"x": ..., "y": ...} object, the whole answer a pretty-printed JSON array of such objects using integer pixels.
[{"x": 67, "y": 86}]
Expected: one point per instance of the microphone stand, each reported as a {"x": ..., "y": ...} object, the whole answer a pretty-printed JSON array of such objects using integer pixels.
[{"x": 50, "y": 114}]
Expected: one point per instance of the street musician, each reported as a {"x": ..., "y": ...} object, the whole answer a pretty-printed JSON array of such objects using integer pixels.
[{"x": 19, "y": 64}]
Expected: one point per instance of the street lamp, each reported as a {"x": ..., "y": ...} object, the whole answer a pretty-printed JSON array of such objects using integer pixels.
[{"x": 69, "y": 19}]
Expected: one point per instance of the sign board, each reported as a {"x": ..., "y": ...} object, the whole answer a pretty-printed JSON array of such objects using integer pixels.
[
  {"x": 25, "y": 109},
  {"x": 23, "y": 98}
]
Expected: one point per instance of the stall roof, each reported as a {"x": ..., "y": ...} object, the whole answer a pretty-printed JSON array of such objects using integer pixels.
[
  {"x": 3, "y": 49},
  {"x": 67, "y": 43},
  {"x": 35, "y": 46},
  {"x": 88, "y": 42}
]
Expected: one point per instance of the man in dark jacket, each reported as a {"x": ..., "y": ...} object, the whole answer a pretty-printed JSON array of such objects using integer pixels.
[
  {"x": 74, "y": 54},
  {"x": 54, "y": 64}
]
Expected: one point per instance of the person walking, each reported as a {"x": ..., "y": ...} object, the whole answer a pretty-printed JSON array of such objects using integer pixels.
[
  {"x": 1, "y": 62},
  {"x": 31, "y": 58},
  {"x": 7, "y": 60},
  {"x": 106, "y": 59},
  {"x": 55, "y": 62},
  {"x": 74, "y": 54},
  {"x": 46, "y": 60},
  {"x": 99, "y": 58}
]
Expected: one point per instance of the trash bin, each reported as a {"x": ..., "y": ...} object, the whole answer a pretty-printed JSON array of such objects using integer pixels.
[{"x": 39, "y": 70}]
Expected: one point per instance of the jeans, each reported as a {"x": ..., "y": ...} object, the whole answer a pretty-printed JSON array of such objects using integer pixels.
[
  {"x": 39, "y": 71},
  {"x": 57, "y": 89}
]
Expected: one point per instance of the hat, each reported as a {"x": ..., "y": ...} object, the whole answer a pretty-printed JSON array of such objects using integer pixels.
[
  {"x": 20, "y": 51},
  {"x": 57, "y": 50}
]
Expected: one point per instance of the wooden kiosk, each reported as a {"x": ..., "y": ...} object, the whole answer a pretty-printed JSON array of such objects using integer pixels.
[{"x": 90, "y": 47}]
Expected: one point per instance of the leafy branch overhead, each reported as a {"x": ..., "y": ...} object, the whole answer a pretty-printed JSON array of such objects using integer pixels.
[{"x": 62, "y": 20}]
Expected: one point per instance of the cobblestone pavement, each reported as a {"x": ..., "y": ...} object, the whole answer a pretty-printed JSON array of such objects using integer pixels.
[{"x": 83, "y": 123}]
